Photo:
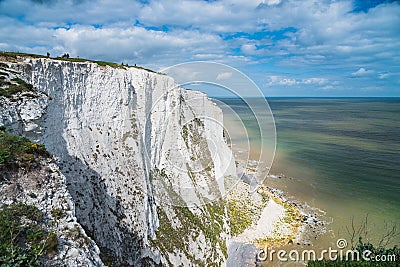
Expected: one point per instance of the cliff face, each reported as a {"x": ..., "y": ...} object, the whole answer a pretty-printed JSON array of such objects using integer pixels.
[{"x": 144, "y": 160}]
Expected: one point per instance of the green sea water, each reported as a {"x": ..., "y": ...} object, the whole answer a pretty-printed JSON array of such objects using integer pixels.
[{"x": 341, "y": 155}]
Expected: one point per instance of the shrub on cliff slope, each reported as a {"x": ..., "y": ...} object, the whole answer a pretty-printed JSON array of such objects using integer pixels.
[
  {"x": 23, "y": 236},
  {"x": 24, "y": 240},
  {"x": 16, "y": 85},
  {"x": 18, "y": 152}
]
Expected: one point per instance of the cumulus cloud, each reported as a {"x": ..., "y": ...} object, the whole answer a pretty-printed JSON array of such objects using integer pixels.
[
  {"x": 383, "y": 75},
  {"x": 362, "y": 72},
  {"x": 249, "y": 49},
  {"x": 279, "y": 80},
  {"x": 272, "y": 2},
  {"x": 325, "y": 37},
  {"x": 214, "y": 16},
  {"x": 56, "y": 13},
  {"x": 319, "y": 81},
  {"x": 328, "y": 87},
  {"x": 223, "y": 76},
  {"x": 137, "y": 43},
  {"x": 282, "y": 80}
]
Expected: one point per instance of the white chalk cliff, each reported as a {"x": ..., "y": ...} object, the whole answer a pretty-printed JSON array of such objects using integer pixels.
[{"x": 144, "y": 159}]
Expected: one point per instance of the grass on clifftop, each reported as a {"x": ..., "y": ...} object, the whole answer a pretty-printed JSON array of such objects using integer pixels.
[
  {"x": 114, "y": 65},
  {"x": 17, "y": 54}
]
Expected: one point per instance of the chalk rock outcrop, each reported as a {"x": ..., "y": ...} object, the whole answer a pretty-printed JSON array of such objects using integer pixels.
[
  {"x": 44, "y": 187},
  {"x": 144, "y": 159}
]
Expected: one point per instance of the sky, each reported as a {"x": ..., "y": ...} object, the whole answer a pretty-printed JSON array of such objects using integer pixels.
[{"x": 287, "y": 47}]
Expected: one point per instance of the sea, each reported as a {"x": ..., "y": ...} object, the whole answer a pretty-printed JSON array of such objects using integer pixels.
[{"x": 339, "y": 155}]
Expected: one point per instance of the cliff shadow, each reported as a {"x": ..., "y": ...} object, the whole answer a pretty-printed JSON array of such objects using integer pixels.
[{"x": 101, "y": 215}]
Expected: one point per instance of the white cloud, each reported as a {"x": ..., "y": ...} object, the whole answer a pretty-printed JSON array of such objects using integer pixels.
[
  {"x": 249, "y": 49},
  {"x": 208, "y": 56},
  {"x": 322, "y": 37},
  {"x": 383, "y": 75},
  {"x": 58, "y": 13},
  {"x": 281, "y": 80},
  {"x": 213, "y": 16},
  {"x": 362, "y": 72},
  {"x": 223, "y": 76},
  {"x": 326, "y": 30},
  {"x": 131, "y": 45},
  {"x": 327, "y": 88},
  {"x": 319, "y": 81},
  {"x": 273, "y": 2}
]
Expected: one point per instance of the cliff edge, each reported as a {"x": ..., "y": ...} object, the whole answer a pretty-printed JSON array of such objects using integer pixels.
[{"x": 144, "y": 160}]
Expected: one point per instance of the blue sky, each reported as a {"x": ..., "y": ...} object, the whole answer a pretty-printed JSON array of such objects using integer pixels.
[{"x": 288, "y": 47}]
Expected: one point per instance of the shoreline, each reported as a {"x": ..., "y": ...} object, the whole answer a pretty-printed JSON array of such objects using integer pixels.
[
  {"x": 278, "y": 222},
  {"x": 281, "y": 221}
]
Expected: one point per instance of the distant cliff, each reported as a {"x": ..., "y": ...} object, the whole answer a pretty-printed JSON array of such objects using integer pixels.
[{"x": 144, "y": 160}]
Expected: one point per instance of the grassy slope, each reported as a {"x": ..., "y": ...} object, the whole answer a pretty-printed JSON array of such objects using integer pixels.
[{"x": 15, "y": 55}]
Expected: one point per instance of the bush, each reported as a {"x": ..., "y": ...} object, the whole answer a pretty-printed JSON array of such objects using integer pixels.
[
  {"x": 18, "y": 152},
  {"x": 239, "y": 217},
  {"x": 23, "y": 236},
  {"x": 8, "y": 89},
  {"x": 57, "y": 214},
  {"x": 14, "y": 149}
]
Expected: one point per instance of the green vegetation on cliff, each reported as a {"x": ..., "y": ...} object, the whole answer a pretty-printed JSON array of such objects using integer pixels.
[
  {"x": 16, "y": 151},
  {"x": 240, "y": 217},
  {"x": 16, "y": 55},
  {"x": 24, "y": 240},
  {"x": 16, "y": 85},
  {"x": 177, "y": 235}
]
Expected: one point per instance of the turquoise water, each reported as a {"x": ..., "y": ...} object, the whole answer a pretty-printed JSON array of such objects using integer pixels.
[{"x": 341, "y": 155}]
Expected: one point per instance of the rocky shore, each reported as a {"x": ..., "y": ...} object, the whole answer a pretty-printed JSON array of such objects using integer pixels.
[{"x": 278, "y": 220}]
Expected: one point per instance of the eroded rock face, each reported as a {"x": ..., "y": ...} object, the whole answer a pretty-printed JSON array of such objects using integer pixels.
[
  {"x": 24, "y": 110},
  {"x": 44, "y": 187},
  {"x": 136, "y": 151}
]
